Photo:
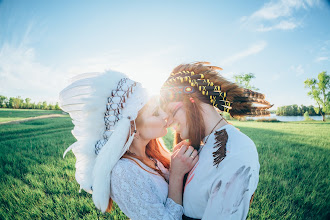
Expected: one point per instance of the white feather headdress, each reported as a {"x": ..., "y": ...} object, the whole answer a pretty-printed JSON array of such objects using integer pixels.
[{"x": 101, "y": 106}]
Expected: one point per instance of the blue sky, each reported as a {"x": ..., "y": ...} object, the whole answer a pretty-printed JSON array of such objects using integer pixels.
[{"x": 44, "y": 43}]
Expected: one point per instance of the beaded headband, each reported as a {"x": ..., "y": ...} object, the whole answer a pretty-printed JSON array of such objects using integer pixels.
[
  {"x": 196, "y": 82},
  {"x": 116, "y": 102}
]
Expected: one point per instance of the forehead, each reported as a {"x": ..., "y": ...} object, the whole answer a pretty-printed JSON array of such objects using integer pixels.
[{"x": 151, "y": 105}]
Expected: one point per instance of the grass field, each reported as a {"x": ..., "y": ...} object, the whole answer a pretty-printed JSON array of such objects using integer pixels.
[
  {"x": 37, "y": 183},
  {"x": 15, "y": 114}
]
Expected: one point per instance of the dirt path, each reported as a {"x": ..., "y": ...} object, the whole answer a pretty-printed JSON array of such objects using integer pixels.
[{"x": 32, "y": 118}]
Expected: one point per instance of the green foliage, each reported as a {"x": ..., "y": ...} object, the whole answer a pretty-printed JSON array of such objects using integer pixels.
[
  {"x": 27, "y": 102},
  {"x": 18, "y": 103},
  {"x": 44, "y": 105},
  {"x": 11, "y": 102},
  {"x": 244, "y": 80},
  {"x": 3, "y": 101},
  {"x": 306, "y": 116},
  {"x": 226, "y": 115},
  {"x": 319, "y": 91},
  {"x": 295, "y": 110},
  {"x": 267, "y": 120},
  {"x": 57, "y": 107}
]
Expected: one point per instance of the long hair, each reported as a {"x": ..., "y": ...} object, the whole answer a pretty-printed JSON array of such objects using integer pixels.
[
  {"x": 240, "y": 99},
  {"x": 155, "y": 149}
]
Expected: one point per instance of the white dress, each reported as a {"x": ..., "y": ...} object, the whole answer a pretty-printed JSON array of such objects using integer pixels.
[
  {"x": 223, "y": 192},
  {"x": 142, "y": 195}
]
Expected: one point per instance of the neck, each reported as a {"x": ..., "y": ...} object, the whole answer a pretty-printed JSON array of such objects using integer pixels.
[
  {"x": 138, "y": 147},
  {"x": 211, "y": 118}
]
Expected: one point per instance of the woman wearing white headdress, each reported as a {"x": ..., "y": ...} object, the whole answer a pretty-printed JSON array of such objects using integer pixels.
[{"x": 118, "y": 154}]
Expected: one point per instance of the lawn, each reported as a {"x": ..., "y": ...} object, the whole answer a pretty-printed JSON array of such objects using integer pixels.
[
  {"x": 294, "y": 169},
  {"x": 37, "y": 183},
  {"x": 16, "y": 114}
]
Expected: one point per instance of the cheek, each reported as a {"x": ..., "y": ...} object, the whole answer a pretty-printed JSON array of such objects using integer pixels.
[
  {"x": 154, "y": 128},
  {"x": 181, "y": 119}
]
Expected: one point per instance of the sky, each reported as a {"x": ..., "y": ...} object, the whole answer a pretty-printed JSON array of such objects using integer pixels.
[{"x": 45, "y": 43}]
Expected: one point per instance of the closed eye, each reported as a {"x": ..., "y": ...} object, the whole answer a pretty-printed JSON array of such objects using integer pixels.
[{"x": 156, "y": 111}]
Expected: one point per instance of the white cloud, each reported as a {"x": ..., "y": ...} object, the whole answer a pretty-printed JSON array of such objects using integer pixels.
[
  {"x": 319, "y": 59},
  {"x": 22, "y": 75},
  {"x": 254, "y": 49},
  {"x": 299, "y": 70},
  {"x": 277, "y": 15},
  {"x": 283, "y": 25}
]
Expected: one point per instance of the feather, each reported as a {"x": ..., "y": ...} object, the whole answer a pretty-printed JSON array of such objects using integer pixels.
[
  {"x": 110, "y": 153},
  {"x": 221, "y": 138},
  {"x": 86, "y": 99}
]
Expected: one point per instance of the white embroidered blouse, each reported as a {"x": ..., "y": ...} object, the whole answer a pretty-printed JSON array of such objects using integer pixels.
[
  {"x": 142, "y": 195},
  {"x": 223, "y": 192}
]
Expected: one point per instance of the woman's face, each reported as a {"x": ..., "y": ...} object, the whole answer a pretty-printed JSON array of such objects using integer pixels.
[
  {"x": 177, "y": 118},
  {"x": 152, "y": 122}
]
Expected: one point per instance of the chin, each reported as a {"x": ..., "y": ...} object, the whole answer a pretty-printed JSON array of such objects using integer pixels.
[{"x": 183, "y": 136}]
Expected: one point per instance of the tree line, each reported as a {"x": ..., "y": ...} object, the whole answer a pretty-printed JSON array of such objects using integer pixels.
[
  {"x": 319, "y": 91},
  {"x": 19, "y": 103},
  {"x": 295, "y": 110}
]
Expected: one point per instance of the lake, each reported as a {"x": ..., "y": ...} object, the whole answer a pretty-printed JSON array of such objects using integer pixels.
[{"x": 287, "y": 118}]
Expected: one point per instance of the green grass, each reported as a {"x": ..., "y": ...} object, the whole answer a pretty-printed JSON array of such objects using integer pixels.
[
  {"x": 15, "y": 114},
  {"x": 294, "y": 169},
  {"x": 37, "y": 183}
]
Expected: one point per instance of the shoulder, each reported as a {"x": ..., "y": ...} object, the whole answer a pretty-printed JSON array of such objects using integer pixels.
[
  {"x": 238, "y": 142},
  {"x": 124, "y": 166},
  {"x": 236, "y": 145}
]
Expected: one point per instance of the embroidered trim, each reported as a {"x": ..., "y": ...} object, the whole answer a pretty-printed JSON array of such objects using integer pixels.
[
  {"x": 221, "y": 138},
  {"x": 114, "y": 108}
]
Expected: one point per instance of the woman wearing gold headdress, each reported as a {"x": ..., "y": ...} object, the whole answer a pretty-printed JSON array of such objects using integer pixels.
[{"x": 222, "y": 183}]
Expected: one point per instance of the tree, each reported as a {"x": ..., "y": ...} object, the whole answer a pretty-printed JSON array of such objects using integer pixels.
[
  {"x": 10, "y": 102},
  {"x": 39, "y": 105},
  {"x": 51, "y": 107},
  {"x": 306, "y": 116},
  {"x": 57, "y": 107},
  {"x": 244, "y": 80},
  {"x": 27, "y": 103},
  {"x": 17, "y": 102},
  {"x": 2, "y": 101},
  {"x": 44, "y": 105},
  {"x": 319, "y": 91}
]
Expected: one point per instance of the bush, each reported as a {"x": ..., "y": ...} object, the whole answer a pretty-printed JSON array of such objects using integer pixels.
[
  {"x": 306, "y": 116},
  {"x": 226, "y": 115},
  {"x": 267, "y": 120}
]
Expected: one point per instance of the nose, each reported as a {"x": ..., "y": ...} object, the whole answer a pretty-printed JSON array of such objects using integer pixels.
[
  {"x": 163, "y": 114},
  {"x": 165, "y": 117}
]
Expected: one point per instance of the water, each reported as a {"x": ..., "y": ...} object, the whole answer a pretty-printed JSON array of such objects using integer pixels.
[{"x": 287, "y": 118}]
